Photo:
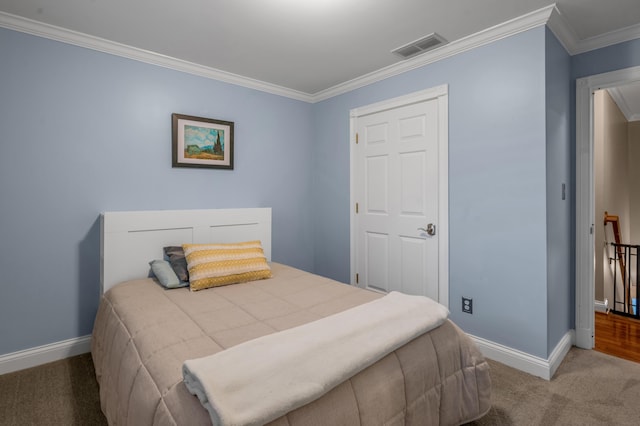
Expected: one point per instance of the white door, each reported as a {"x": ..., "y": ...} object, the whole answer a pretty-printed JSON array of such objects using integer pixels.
[{"x": 396, "y": 191}]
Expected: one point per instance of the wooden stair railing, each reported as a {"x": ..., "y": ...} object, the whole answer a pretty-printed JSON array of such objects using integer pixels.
[{"x": 614, "y": 220}]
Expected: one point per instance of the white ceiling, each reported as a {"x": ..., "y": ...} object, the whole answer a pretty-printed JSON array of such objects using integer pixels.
[{"x": 309, "y": 46}]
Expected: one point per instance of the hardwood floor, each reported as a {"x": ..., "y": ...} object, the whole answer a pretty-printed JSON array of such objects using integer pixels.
[{"x": 618, "y": 336}]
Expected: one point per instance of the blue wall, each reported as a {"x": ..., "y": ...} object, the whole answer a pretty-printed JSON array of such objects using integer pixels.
[
  {"x": 497, "y": 181},
  {"x": 82, "y": 132},
  {"x": 560, "y": 213},
  {"x": 512, "y": 145}
]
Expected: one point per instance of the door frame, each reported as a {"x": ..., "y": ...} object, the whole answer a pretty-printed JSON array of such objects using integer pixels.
[
  {"x": 585, "y": 197},
  {"x": 441, "y": 93}
]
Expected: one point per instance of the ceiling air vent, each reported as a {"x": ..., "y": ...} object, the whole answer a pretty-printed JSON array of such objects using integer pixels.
[{"x": 422, "y": 45}]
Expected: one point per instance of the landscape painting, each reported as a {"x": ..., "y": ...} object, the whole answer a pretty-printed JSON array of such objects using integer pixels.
[{"x": 202, "y": 142}]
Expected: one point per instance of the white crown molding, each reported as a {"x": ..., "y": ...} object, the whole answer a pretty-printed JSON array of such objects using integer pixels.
[
  {"x": 549, "y": 15},
  {"x": 506, "y": 29},
  {"x": 500, "y": 31},
  {"x": 614, "y": 37},
  {"x": 574, "y": 46},
  {"x": 562, "y": 30},
  {"x": 64, "y": 35},
  {"x": 44, "y": 354},
  {"x": 617, "y": 97}
]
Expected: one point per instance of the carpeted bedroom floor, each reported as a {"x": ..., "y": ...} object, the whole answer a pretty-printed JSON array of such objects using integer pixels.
[
  {"x": 64, "y": 392},
  {"x": 589, "y": 388}
]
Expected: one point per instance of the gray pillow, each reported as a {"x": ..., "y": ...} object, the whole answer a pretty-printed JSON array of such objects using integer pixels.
[
  {"x": 175, "y": 256},
  {"x": 164, "y": 274}
]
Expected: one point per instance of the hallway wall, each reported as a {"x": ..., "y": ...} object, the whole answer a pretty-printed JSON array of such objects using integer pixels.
[
  {"x": 634, "y": 176},
  {"x": 611, "y": 153}
]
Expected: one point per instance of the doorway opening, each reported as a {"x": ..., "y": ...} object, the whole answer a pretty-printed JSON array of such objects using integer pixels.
[
  {"x": 593, "y": 270},
  {"x": 399, "y": 195}
]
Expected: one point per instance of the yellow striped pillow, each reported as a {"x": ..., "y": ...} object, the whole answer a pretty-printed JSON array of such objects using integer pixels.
[{"x": 212, "y": 265}]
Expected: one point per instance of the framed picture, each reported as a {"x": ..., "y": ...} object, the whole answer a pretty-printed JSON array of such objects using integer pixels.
[{"x": 201, "y": 142}]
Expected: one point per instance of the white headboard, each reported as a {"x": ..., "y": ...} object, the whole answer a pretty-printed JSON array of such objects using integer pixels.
[{"x": 130, "y": 240}]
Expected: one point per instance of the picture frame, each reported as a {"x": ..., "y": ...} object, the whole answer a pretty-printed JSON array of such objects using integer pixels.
[{"x": 201, "y": 142}]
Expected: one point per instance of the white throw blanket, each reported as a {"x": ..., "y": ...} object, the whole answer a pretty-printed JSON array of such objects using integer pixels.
[{"x": 262, "y": 379}]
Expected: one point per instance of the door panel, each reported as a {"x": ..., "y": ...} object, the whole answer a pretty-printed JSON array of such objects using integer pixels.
[
  {"x": 377, "y": 247},
  {"x": 377, "y": 175},
  {"x": 397, "y": 186},
  {"x": 412, "y": 199},
  {"x": 414, "y": 272}
]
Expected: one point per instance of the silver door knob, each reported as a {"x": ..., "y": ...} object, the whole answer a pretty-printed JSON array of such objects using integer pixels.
[{"x": 430, "y": 229}]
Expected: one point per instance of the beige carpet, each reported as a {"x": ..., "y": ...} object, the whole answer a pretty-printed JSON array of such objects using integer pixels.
[
  {"x": 60, "y": 393},
  {"x": 589, "y": 388}
]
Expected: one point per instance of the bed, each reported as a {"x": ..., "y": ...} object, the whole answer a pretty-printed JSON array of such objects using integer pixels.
[{"x": 145, "y": 334}]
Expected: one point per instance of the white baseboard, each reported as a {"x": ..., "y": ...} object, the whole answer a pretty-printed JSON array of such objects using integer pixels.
[
  {"x": 602, "y": 306},
  {"x": 536, "y": 366},
  {"x": 544, "y": 368},
  {"x": 43, "y": 354}
]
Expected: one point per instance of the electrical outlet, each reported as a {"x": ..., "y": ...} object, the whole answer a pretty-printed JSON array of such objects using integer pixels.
[{"x": 467, "y": 305}]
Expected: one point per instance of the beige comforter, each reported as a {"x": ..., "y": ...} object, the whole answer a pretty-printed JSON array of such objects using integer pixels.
[{"x": 143, "y": 334}]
